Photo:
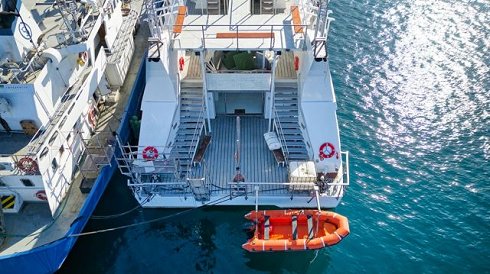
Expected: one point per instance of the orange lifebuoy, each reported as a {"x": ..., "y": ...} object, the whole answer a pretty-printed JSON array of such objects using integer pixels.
[
  {"x": 327, "y": 150},
  {"x": 296, "y": 63},
  {"x": 181, "y": 63},
  {"x": 150, "y": 153},
  {"x": 41, "y": 195},
  {"x": 27, "y": 165}
]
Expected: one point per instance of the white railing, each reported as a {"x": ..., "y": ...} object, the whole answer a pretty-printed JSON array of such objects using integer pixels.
[
  {"x": 66, "y": 100},
  {"x": 195, "y": 137},
  {"x": 207, "y": 31},
  {"x": 280, "y": 135}
]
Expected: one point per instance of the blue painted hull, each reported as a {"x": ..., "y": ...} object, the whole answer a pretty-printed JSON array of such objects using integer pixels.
[{"x": 49, "y": 257}]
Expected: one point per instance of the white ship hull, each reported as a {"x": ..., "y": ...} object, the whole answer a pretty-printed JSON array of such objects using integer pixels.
[{"x": 238, "y": 112}]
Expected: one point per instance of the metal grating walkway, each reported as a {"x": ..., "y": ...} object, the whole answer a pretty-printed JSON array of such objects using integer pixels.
[{"x": 257, "y": 162}]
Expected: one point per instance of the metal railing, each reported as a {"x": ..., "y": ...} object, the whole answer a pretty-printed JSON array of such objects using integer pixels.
[
  {"x": 195, "y": 137},
  {"x": 208, "y": 33},
  {"x": 65, "y": 102},
  {"x": 280, "y": 135}
]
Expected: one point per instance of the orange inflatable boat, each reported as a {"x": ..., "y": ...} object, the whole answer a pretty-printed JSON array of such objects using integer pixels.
[{"x": 284, "y": 230}]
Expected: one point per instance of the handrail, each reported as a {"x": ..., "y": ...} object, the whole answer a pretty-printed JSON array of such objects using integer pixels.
[
  {"x": 280, "y": 132},
  {"x": 346, "y": 153},
  {"x": 195, "y": 137}
]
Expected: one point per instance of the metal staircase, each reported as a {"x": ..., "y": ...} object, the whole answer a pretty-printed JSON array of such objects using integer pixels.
[
  {"x": 191, "y": 125},
  {"x": 287, "y": 124},
  {"x": 266, "y": 6},
  {"x": 214, "y": 7}
]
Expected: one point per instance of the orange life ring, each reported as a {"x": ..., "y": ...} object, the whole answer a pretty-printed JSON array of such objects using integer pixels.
[
  {"x": 150, "y": 153},
  {"x": 327, "y": 150},
  {"x": 296, "y": 63},
  {"x": 41, "y": 195},
  {"x": 27, "y": 165},
  {"x": 181, "y": 63}
]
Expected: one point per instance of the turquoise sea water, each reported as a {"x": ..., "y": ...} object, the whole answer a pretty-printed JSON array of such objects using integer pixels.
[{"x": 412, "y": 80}]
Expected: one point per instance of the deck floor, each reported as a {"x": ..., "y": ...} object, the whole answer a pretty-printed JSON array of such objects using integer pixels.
[{"x": 257, "y": 162}]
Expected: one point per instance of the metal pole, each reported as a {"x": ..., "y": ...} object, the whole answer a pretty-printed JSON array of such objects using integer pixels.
[
  {"x": 237, "y": 153},
  {"x": 256, "y": 199},
  {"x": 256, "y": 207},
  {"x": 236, "y": 37},
  {"x": 317, "y": 198}
]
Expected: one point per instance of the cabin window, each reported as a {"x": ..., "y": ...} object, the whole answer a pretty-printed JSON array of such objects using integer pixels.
[
  {"x": 27, "y": 182},
  {"x": 54, "y": 164},
  {"x": 68, "y": 137},
  {"x": 62, "y": 149}
]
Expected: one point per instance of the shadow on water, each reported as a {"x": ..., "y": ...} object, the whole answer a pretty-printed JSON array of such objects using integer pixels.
[{"x": 205, "y": 240}]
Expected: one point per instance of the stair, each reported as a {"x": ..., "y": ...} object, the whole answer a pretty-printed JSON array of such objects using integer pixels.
[
  {"x": 267, "y": 7},
  {"x": 190, "y": 127},
  {"x": 213, "y": 7},
  {"x": 286, "y": 105}
]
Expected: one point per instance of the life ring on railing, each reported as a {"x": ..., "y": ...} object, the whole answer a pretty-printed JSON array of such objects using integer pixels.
[
  {"x": 82, "y": 58},
  {"x": 91, "y": 117},
  {"x": 296, "y": 63},
  {"x": 327, "y": 150},
  {"x": 181, "y": 63},
  {"x": 27, "y": 165},
  {"x": 41, "y": 195},
  {"x": 150, "y": 153}
]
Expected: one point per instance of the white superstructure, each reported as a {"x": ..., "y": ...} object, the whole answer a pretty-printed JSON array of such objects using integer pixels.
[
  {"x": 59, "y": 62},
  {"x": 238, "y": 102}
]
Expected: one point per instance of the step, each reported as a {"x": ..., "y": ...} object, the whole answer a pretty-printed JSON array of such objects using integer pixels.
[
  {"x": 193, "y": 100},
  {"x": 190, "y": 95},
  {"x": 286, "y": 108},
  {"x": 293, "y": 138},
  {"x": 287, "y": 119},
  {"x": 295, "y": 143},
  {"x": 287, "y": 131},
  {"x": 285, "y": 94},
  {"x": 187, "y": 125},
  {"x": 289, "y": 125},
  {"x": 296, "y": 150},
  {"x": 187, "y": 132},
  {"x": 189, "y": 119},
  {"x": 287, "y": 114},
  {"x": 188, "y": 113}
]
